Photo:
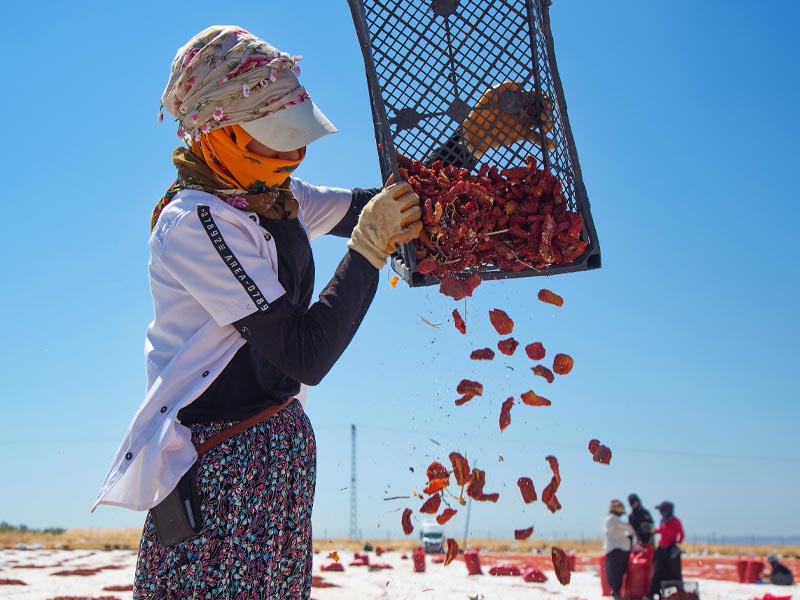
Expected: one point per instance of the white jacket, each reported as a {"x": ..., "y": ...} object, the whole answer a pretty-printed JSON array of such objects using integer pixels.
[
  {"x": 210, "y": 265},
  {"x": 617, "y": 534}
]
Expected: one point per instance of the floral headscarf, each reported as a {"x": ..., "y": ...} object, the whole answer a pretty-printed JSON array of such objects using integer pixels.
[{"x": 224, "y": 76}]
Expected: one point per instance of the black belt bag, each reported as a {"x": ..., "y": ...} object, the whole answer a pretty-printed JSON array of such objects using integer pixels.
[{"x": 179, "y": 517}]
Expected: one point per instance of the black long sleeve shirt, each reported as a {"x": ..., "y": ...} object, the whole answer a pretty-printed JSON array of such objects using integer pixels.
[{"x": 294, "y": 341}]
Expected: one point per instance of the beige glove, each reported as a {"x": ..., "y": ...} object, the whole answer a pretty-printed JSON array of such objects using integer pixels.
[
  {"x": 488, "y": 126},
  {"x": 390, "y": 219}
]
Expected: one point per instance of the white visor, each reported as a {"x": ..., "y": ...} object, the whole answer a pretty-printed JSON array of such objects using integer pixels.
[{"x": 290, "y": 128}]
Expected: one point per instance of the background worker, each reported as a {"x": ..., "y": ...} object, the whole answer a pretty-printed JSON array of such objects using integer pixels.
[
  {"x": 667, "y": 559},
  {"x": 780, "y": 575},
  {"x": 640, "y": 519},
  {"x": 617, "y": 546}
]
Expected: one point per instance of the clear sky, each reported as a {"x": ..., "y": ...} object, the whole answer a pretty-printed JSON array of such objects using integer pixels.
[{"x": 685, "y": 342}]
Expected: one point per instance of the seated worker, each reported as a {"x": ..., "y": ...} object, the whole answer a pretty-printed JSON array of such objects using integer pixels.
[{"x": 780, "y": 575}]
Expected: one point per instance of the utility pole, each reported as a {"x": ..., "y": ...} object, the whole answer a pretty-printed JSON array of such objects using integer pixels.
[
  {"x": 469, "y": 506},
  {"x": 353, "y": 514}
]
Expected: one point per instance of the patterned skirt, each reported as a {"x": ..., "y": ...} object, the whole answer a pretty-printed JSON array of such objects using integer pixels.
[{"x": 258, "y": 492}]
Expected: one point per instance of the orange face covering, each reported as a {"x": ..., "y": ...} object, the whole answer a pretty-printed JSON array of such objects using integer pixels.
[{"x": 225, "y": 151}]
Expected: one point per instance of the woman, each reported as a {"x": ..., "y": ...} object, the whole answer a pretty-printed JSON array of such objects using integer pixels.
[
  {"x": 616, "y": 546},
  {"x": 235, "y": 331},
  {"x": 667, "y": 558}
]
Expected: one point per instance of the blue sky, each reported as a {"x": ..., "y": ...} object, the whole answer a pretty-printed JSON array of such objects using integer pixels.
[{"x": 684, "y": 342}]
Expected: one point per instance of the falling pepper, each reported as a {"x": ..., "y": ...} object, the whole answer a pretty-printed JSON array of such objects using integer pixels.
[
  {"x": 560, "y": 565},
  {"x": 550, "y": 297},
  {"x": 523, "y": 534},
  {"x": 531, "y": 399},
  {"x": 446, "y": 515},
  {"x": 526, "y": 489},
  {"x": 406, "y": 521},
  {"x": 452, "y": 551},
  {"x": 459, "y": 322},
  {"x": 562, "y": 364},
  {"x": 505, "y": 413},
  {"x": 543, "y": 371},
  {"x": 501, "y": 322}
]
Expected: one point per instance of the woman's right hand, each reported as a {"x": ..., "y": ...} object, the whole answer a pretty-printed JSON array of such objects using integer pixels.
[{"x": 389, "y": 220}]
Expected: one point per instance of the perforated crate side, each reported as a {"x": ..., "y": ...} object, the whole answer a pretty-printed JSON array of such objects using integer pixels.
[{"x": 428, "y": 62}]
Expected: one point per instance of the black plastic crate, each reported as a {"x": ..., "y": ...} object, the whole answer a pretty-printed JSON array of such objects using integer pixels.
[
  {"x": 680, "y": 590},
  {"x": 428, "y": 62}
]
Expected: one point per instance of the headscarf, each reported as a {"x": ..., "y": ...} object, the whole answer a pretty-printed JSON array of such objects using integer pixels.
[
  {"x": 616, "y": 507},
  {"x": 667, "y": 510},
  {"x": 225, "y": 75},
  {"x": 222, "y": 77}
]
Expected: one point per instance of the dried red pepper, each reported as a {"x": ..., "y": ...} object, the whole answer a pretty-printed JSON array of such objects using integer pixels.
[
  {"x": 553, "y": 462},
  {"x": 549, "y": 493},
  {"x": 464, "y": 399},
  {"x": 426, "y": 266},
  {"x": 436, "y": 485},
  {"x": 535, "y": 351},
  {"x": 526, "y": 489},
  {"x": 438, "y": 478},
  {"x": 560, "y": 565},
  {"x": 436, "y": 470},
  {"x": 459, "y": 322},
  {"x": 553, "y": 504},
  {"x": 406, "y": 521},
  {"x": 549, "y": 496},
  {"x": 465, "y": 386},
  {"x": 600, "y": 453},
  {"x": 475, "y": 487},
  {"x": 523, "y": 534},
  {"x": 543, "y": 371},
  {"x": 501, "y": 322},
  {"x": 531, "y": 399},
  {"x": 452, "y": 551},
  {"x": 550, "y": 297},
  {"x": 505, "y": 413},
  {"x": 562, "y": 364},
  {"x": 482, "y": 354},
  {"x": 513, "y": 219},
  {"x": 603, "y": 455},
  {"x": 461, "y": 469},
  {"x": 458, "y": 288},
  {"x": 508, "y": 346},
  {"x": 431, "y": 505},
  {"x": 446, "y": 515}
]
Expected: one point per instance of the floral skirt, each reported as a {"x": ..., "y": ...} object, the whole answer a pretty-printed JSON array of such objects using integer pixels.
[{"x": 258, "y": 492}]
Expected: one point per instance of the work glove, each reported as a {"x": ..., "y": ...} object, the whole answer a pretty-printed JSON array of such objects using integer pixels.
[
  {"x": 391, "y": 218},
  {"x": 495, "y": 121}
]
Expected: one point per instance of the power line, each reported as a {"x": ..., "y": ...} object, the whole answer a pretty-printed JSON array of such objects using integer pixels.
[{"x": 432, "y": 435}]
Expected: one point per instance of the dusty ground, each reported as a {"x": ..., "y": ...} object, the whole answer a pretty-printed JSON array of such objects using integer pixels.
[{"x": 45, "y": 574}]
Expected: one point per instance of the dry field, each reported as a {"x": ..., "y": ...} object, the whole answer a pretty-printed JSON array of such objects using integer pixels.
[{"x": 129, "y": 539}]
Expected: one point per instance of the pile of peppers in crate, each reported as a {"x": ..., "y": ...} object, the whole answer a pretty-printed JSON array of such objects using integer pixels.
[{"x": 511, "y": 219}]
